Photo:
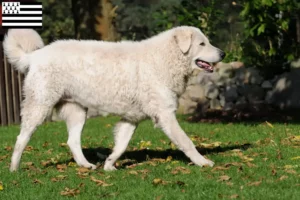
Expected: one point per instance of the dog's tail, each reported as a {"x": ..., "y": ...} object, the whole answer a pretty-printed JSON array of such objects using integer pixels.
[{"x": 18, "y": 43}]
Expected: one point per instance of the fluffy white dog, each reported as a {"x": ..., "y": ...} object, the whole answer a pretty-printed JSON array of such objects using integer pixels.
[{"x": 134, "y": 80}]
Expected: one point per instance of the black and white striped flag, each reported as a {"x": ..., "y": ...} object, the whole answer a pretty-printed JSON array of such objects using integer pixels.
[{"x": 22, "y": 15}]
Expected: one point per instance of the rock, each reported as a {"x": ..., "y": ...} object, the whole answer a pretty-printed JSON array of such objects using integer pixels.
[
  {"x": 241, "y": 101},
  {"x": 211, "y": 91},
  {"x": 254, "y": 77},
  {"x": 255, "y": 93},
  {"x": 240, "y": 76},
  {"x": 228, "y": 106},
  {"x": 266, "y": 85},
  {"x": 195, "y": 92},
  {"x": 215, "y": 104},
  {"x": 222, "y": 99},
  {"x": 186, "y": 106},
  {"x": 225, "y": 70},
  {"x": 231, "y": 93}
]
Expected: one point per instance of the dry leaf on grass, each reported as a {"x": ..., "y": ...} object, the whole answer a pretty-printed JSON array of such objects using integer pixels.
[
  {"x": 219, "y": 168},
  {"x": 1, "y": 186},
  {"x": 269, "y": 124},
  {"x": 234, "y": 196},
  {"x": 61, "y": 168},
  {"x": 70, "y": 192},
  {"x": 283, "y": 177},
  {"x": 182, "y": 170},
  {"x": 158, "y": 181},
  {"x": 100, "y": 182},
  {"x": 8, "y": 148},
  {"x": 290, "y": 171},
  {"x": 59, "y": 178},
  {"x": 224, "y": 178},
  {"x": 256, "y": 183},
  {"x": 36, "y": 181},
  {"x": 63, "y": 144},
  {"x": 211, "y": 145},
  {"x": 3, "y": 157},
  {"x": 295, "y": 158}
]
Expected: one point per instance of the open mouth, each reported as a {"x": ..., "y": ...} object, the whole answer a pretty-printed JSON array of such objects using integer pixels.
[{"x": 204, "y": 65}]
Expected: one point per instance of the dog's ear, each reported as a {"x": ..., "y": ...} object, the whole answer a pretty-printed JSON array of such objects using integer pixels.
[{"x": 183, "y": 39}]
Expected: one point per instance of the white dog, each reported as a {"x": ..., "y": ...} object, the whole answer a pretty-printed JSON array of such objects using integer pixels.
[{"x": 134, "y": 80}]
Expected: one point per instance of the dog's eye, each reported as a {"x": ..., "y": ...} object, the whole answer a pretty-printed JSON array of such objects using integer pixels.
[{"x": 202, "y": 44}]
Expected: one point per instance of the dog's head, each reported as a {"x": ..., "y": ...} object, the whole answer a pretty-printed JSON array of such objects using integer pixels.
[{"x": 193, "y": 43}]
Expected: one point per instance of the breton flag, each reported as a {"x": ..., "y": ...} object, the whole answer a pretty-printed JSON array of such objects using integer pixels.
[{"x": 22, "y": 15}]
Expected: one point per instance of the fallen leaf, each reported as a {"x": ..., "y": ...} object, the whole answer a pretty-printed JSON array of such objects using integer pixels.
[
  {"x": 158, "y": 181},
  {"x": 59, "y": 178},
  {"x": 46, "y": 163},
  {"x": 45, "y": 144},
  {"x": 63, "y": 144},
  {"x": 72, "y": 164},
  {"x": 219, "y": 168},
  {"x": 269, "y": 124},
  {"x": 28, "y": 164},
  {"x": 144, "y": 144},
  {"x": 224, "y": 178},
  {"x": 158, "y": 197},
  {"x": 3, "y": 157},
  {"x": 295, "y": 158},
  {"x": 229, "y": 183},
  {"x": 1, "y": 186},
  {"x": 61, "y": 168},
  {"x": 8, "y": 148},
  {"x": 211, "y": 145},
  {"x": 28, "y": 148},
  {"x": 82, "y": 170},
  {"x": 182, "y": 170},
  {"x": 283, "y": 177},
  {"x": 108, "y": 125},
  {"x": 133, "y": 172},
  {"x": 100, "y": 182},
  {"x": 70, "y": 192},
  {"x": 256, "y": 183},
  {"x": 36, "y": 181},
  {"x": 291, "y": 171},
  {"x": 180, "y": 183},
  {"x": 169, "y": 158},
  {"x": 234, "y": 196}
]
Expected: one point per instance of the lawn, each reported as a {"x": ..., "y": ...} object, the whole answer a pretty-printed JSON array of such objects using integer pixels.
[{"x": 253, "y": 161}]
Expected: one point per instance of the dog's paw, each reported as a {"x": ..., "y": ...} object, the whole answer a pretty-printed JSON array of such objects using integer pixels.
[
  {"x": 89, "y": 166},
  {"x": 109, "y": 168},
  {"x": 208, "y": 163}
]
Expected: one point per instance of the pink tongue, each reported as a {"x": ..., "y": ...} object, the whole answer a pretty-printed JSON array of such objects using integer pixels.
[{"x": 204, "y": 64}]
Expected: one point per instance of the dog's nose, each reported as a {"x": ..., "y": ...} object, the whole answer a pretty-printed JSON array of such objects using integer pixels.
[{"x": 222, "y": 54}]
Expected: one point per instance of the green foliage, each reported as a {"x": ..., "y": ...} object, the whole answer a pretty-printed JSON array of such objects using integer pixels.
[
  {"x": 58, "y": 21},
  {"x": 270, "y": 33}
]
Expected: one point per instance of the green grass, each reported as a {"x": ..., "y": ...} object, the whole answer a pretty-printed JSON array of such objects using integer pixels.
[{"x": 253, "y": 161}]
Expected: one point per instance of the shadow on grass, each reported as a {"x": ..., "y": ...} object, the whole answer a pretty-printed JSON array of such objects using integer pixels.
[{"x": 139, "y": 156}]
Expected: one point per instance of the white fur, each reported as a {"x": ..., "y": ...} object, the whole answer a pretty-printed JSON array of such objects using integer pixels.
[{"x": 135, "y": 80}]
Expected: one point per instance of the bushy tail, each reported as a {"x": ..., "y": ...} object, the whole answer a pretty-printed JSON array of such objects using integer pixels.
[{"x": 18, "y": 43}]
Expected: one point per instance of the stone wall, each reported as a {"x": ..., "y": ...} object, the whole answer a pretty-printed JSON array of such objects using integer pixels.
[{"x": 233, "y": 84}]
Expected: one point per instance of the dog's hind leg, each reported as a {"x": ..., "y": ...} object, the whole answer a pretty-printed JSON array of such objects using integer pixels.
[
  {"x": 170, "y": 126},
  {"x": 123, "y": 133},
  {"x": 33, "y": 115},
  {"x": 75, "y": 116}
]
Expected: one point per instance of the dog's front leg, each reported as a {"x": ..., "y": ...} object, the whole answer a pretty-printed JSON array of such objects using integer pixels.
[{"x": 171, "y": 128}]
